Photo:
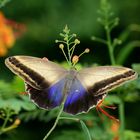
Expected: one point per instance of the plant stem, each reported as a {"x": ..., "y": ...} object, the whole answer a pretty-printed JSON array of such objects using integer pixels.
[
  {"x": 122, "y": 120},
  {"x": 126, "y": 50},
  {"x": 84, "y": 127},
  {"x": 110, "y": 47},
  {"x": 56, "y": 121},
  {"x": 98, "y": 39},
  {"x": 5, "y": 121},
  {"x": 72, "y": 50},
  {"x": 65, "y": 56},
  {"x": 69, "y": 56},
  {"x": 68, "y": 118}
]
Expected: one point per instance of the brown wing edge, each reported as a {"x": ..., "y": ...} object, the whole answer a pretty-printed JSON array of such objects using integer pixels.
[
  {"x": 111, "y": 83},
  {"x": 27, "y": 74}
]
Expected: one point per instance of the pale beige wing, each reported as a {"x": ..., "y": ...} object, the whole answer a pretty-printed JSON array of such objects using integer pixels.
[
  {"x": 37, "y": 72},
  {"x": 99, "y": 80}
]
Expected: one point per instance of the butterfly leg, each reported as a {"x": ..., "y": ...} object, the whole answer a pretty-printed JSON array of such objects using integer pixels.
[
  {"x": 110, "y": 107},
  {"x": 99, "y": 108},
  {"x": 23, "y": 93}
]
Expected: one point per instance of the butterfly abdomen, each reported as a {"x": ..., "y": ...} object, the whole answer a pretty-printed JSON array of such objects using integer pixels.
[{"x": 69, "y": 79}]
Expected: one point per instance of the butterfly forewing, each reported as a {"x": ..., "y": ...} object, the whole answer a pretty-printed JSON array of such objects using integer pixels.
[
  {"x": 101, "y": 79},
  {"x": 38, "y": 73}
]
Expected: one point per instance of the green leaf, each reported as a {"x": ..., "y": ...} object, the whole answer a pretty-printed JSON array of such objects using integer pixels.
[
  {"x": 28, "y": 106},
  {"x": 18, "y": 84},
  {"x": 126, "y": 50},
  {"x": 112, "y": 99},
  {"x": 3, "y": 2},
  {"x": 136, "y": 67},
  {"x": 13, "y": 104},
  {"x": 132, "y": 135}
]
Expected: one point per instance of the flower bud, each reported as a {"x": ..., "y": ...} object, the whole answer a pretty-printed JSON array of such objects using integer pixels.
[
  {"x": 56, "y": 41},
  {"x": 61, "y": 46},
  {"x": 74, "y": 35},
  {"x": 76, "y": 41},
  {"x": 17, "y": 122},
  {"x": 87, "y": 50},
  {"x": 75, "y": 59}
]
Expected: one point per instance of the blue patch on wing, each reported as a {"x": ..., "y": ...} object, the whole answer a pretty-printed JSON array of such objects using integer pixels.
[
  {"x": 55, "y": 93},
  {"x": 47, "y": 98},
  {"x": 79, "y": 99},
  {"x": 76, "y": 101}
]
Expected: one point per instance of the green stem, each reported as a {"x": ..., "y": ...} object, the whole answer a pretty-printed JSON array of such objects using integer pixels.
[
  {"x": 69, "y": 56},
  {"x": 110, "y": 47},
  {"x": 98, "y": 39},
  {"x": 13, "y": 126},
  {"x": 84, "y": 127},
  {"x": 122, "y": 120},
  {"x": 126, "y": 50},
  {"x": 68, "y": 118},
  {"x": 5, "y": 121},
  {"x": 72, "y": 50},
  {"x": 65, "y": 56},
  {"x": 56, "y": 121}
]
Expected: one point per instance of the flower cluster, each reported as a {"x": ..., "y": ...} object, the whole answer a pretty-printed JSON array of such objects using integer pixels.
[
  {"x": 7, "y": 38},
  {"x": 7, "y": 34},
  {"x": 70, "y": 44}
]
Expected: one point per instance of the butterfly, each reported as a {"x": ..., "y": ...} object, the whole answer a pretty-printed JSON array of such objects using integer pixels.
[{"x": 47, "y": 82}]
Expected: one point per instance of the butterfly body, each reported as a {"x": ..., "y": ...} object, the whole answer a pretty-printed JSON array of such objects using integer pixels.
[{"x": 47, "y": 83}]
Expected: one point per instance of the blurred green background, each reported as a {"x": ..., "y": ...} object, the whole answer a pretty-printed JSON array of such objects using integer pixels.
[{"x": 44, "y": 20}]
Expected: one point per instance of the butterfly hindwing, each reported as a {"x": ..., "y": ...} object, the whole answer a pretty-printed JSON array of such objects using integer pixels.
[
  {"x": 79, "y": 100},
  {"x": 47, "y": 98}
]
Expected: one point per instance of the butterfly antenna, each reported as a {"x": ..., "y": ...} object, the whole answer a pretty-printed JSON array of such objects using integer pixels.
[{"x": 99, "y": 108}]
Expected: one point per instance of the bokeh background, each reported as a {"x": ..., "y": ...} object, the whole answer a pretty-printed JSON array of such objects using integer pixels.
[{"x": 42, "y": 22}]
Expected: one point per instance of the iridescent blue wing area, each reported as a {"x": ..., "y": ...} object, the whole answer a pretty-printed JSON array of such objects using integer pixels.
[
  {"x": 79, "y": 99},
  {"x": 47, "y": 98}
]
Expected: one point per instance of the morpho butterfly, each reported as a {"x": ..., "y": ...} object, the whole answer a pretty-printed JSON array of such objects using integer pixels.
[{"x": 47, "y": 82}]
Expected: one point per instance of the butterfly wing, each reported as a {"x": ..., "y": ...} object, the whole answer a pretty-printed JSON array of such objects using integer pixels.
[
  {"x": 36, "y": 72},
  {"x": 79, "y": 99},
  {"x": 45, "y": 82},
  {"x": 44, "y": 79},
  {"x": 91, "y": 84},
  {"x": 47, "y": 98},
  {"x": 102, "y": 79}
]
